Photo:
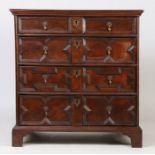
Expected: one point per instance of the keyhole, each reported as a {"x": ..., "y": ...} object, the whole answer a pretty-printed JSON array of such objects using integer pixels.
[{"x": 76, "y": 22}]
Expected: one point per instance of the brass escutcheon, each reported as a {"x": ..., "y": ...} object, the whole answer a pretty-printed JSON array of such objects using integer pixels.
[
  {"x": 76, "y": 22},
  {"x": 77, "y": 102},
  {"x": 76, "y": 73},
  {"x": 76, "y": 43}
]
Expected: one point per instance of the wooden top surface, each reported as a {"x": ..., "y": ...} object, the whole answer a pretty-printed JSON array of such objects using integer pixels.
[{"x": 88, "y": 13}]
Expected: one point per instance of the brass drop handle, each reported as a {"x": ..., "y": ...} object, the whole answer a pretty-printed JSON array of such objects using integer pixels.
[
  {"x": 110, "y": 79},
  {"x": 45, "y": 25},
  {"x": 109, "y": 109},
  {"x": 45, "y": 81},
  {"x": 109, "y": 50},
  {"x": 45, "y": 78},
  {"x": 77, "y": 73},
  {"x": 109, "y": 26},
  {"x": 46, "y": 109},
  {"x": 45, "y": 48}
]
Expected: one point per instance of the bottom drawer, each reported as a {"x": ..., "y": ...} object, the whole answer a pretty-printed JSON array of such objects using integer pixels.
[{"x": 77, "y": 110}]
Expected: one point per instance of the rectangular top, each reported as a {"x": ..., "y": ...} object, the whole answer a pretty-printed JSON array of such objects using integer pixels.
[{"x": 88, "y": 13}]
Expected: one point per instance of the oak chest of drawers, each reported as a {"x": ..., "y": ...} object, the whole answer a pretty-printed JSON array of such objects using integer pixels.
[{"x": 77, "y": 71}]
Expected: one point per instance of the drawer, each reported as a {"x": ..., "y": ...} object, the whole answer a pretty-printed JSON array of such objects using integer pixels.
[
  {"x": 110, "y": 110},
  {"x": 77, "y": 50},
  {"x": 58, "y": 25},
  {"x": 77, "y": 110},
  {"x": 42, "y": 25},
  {"x": 55, "y": 25},
  {"x": 110, "y": 50},
  {"x": 44, "y": 79},
  {"x": 77, "y": 79},
  {"x": 104, "y": 79},
  {"x": 44, "y": 50},
  {"x": 110, "y": 25},
  {"x": 45, "y": 110}
]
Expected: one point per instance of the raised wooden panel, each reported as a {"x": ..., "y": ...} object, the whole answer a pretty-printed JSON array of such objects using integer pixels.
[
  {"x": 43, "y": 25},
  {"x": 44, "y": 50},
  {"x": 44, "y": 79},
  {"x": 110, "y": 50},
  {"x": 110, "y": 110},
  {"x": 110, "y": 25},
  {"x": 110, "y": 79},
  {"x": 45, "y": 110}
]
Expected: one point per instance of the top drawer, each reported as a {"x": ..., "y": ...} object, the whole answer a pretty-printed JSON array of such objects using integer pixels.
[
  {"x": 81, "y": 25},
  {"x": 50, "y": 25},
  {"x": 43, "y": 25},
  {"x": 109, "y": 25}
]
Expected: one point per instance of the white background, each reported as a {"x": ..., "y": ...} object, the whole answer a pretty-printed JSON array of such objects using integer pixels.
[{"x": 147, "y": 78}]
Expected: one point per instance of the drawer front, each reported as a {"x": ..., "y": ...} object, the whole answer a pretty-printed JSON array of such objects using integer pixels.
[
  {"x": 55, "y": 25},
  {"x": 45, "y": 110},
  {"x": 109, "y": 79},
  {"x": 58, "y": 25},
  {"x": 76, "y": 79},
  {"x": 44, "y": 79},
  {"x": 77, "y": 110},
  {"x": 77, "y": 50},
  {"x": 109, "y": 25},
  {"x": 43, "y": 25},
  {"x": 44, "y": 50},
  {"x": 110, "y": 50},
  {"x": 110, "y": 110}
]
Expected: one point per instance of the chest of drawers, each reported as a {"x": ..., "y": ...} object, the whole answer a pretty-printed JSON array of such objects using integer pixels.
[{"x": 77, "y": 71}]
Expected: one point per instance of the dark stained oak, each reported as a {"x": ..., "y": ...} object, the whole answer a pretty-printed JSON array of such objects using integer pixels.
[
  {"x": 76, "y": 79},
  {"x": 77, "y": 71},
  {"x": 119, "y": 25},
  {"x": 77, "y": 50},
  {"x": 64, "y": 110},
  {"x": 79, "y": 13}
]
